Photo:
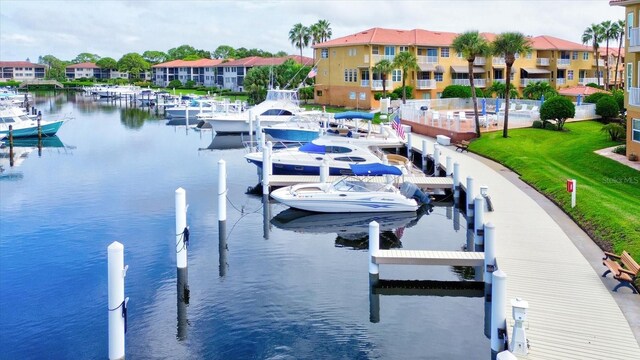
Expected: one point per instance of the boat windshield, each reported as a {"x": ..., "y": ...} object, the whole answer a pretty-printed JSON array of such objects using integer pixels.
[{"x": 351, "y": 184}]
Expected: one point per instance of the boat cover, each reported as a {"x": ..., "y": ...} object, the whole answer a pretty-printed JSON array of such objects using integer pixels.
[
  {"x": 374, "y": 169},
  {"x": 313, "y": 148},
  {"x": 354, "y": 115}
]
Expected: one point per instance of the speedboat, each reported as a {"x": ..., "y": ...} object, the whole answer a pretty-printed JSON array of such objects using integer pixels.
[
  {"x": 301, "y": 128},
  {"x": 359, "y": 193},
  {"x": 337, "y": 151},
  {"x": 23, "y": 125}
]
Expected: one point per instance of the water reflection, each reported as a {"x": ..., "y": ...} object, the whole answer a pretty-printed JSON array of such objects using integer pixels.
[
  {"x": 134, "y": 118},
  {"x": 13, "y": 154},
  {"x": 224, "y": 142}
]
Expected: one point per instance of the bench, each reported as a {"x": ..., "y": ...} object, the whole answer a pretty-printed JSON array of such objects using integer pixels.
[
  {"x": 463, "y": 146},
  {"x": 624, "y": 269}
]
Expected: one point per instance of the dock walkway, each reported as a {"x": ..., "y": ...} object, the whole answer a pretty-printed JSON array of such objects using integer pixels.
[{"x": 572, "y": 312}]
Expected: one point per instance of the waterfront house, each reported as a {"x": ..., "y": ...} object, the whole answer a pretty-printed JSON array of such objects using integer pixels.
[
  {"x": 632, "y": 73},
  {"x": 21, "y": 70},
  {"x": 345, "y": 75}
]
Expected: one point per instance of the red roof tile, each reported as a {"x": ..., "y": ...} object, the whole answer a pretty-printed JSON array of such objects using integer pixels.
[
  {"x": 260, "y": 61},
  {"x": 189, "y": 63},
  {"x": 546, "y": 42},
  {"x": 20, "y": 64}
]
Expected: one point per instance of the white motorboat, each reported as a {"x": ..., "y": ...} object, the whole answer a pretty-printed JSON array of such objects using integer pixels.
[
  {"x": 25, "y": 126},
  {"x": 359, "y": 193}
]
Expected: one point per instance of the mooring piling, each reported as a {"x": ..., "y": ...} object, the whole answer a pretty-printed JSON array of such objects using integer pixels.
[
  {"x": 456, "y": 183},
  {"x": 116, "y": 301},
  {"x": 436, "y": 160},
  {"x": 425, "y": 155},
  {"x": 449, "y": 170},
  {"x": 498, "y": 313},
  {"x": 222, "y": 216},
  {"x": 489, "y": 251},
  {"x": 470, "y": 197},
  {"x": 478, "y": 220},
  {"x": 266, "y": 167},
  {"x": 374, "y": 299},
  {"x": 409, "y": 144},
  {"x": 324, "y": 171},
  {"x": 182, "y": 232},
  {"x": 374, "y": 246}
]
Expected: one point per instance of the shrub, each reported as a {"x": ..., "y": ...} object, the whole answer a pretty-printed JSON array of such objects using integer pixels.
[
  {"x": 550, "y": 126},
  {"x": 456, "y": 91},
  {"x": 621, "y": 150},
  {"x": 377, "y": 96},
  {"x": 175, "y": 83},
  {"x": 594, "y": 85},
  {"x": 558, "y": 108},
  {"x": 537, "y": 124},
  {"x": 618, "y": 96},
  {"x": 393, "y": 96},
  {"x": 398, "y": 92},
  {"x": 607, "y": 108},
  {"x": 593, "y": 98},
  {"x": 190, "y": 84},
  {"x": 616, "y": 131}
]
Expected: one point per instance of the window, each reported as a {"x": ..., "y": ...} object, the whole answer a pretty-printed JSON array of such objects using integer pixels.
[
  {"x": 444, "y": 52},
  {"x": 364, "y": 74},
  {"x": 635, "y": 130},
  {"x": 569, "y": 74},
  {"x": 325, "y": 53},
  {"x": 374, "y": 50},
  {"x": 629, "y": 75},
  {"x": 319, "y": 93},
  {"x": 352, "y": 52},
  {"x": 363, "y": 96},
  {"x": 585, "y": 55},
  {"x": 396, "y": 75},
  {"x": 390, "y": 51},
  {"x": 350, "y": 75},
  {"x": 438, "y": 76},
  {"x": 529, "y": 55},
  {"x": 629, "y": 24},
  {"x": 403, "y": 49},
  {"x": 459, "y": 55},
  {"x": 574, "y": 55},
  {"x": 352, "y": 95}
]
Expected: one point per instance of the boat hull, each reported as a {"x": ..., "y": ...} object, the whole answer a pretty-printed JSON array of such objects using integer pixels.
[
  {"x": 300, "y": 135},
  {"x": 48, "y": 129}
]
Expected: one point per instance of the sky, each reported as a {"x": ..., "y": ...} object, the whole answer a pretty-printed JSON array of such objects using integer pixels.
[{"x": 110, "y": 28}]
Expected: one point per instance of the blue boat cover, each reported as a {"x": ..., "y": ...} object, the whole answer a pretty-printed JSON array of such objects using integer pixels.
[
  {"x": 374, "y": 169},
  {"x": 354, "y": 115},
  {"x": 313, "y": 148}
]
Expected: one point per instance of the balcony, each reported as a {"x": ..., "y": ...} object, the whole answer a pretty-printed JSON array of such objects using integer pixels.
[
  {"x": 426, "y": 84},
  {"x": 588, "y": 80},
  {"x": 599, "y": 62},
  {"x": 466, "y": 82},
  {"x": 542, "y": 61},
  {"x": 560, "y": 81},
  {"x": 498, "y": 61},
  {"x": 501, "y": 81},
  {"x": 422, "y": 59},
  {"x": 377, "y": 58},
  {"x": 634, "y": 96},
  {"x": 634, "y": 39},
  {"x": 377, "y": 84},
  {"x": 480, "y": 61},
  {"x": 564, "y": 62}
]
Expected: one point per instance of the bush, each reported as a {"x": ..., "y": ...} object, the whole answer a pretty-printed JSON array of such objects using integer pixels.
[
  {"x": 456, "y": 91},
  {"x": 550, "y": 126},
  {"x": 558, "y": 108},
  {"x": 621, "y": 150},
  {"x": 618, "y": 96},
  {"x": 393, "y": 96},
  {"x": 616, "y": 131},
  {"x": 537, "y": 124},
  {"x": 377, "y": 96},
  {"x": 594, "y": 85},
  {"x": 607, "y": 107},
  {"x": 593, "y": 98},
  {"x": 398, "y": 92},
  {"x": 190, "y": 84},
  {"x": 175, "y": 83}
]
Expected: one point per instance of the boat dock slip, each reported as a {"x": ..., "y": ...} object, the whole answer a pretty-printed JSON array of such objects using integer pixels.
[
  {"x": 420, "y": 181},
  {"x": 425, "y": 257}
]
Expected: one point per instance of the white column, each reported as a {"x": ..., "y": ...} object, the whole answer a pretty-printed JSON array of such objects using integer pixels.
[
  {"x": 425, "y": 154},
  {"x": 409, "y": 144},
  {"x": 456, "y": 181},
  {"x": 489, "y": 251},
  {"x": 267, "y": 167},
  {"x": 181, "y": 224},
  {"x": 324, "y": 171},
  {"x": 498, "y": 312},
  {"x": 478, "y": 220},
  {"x": 222, "y": 190},
  {"x": 449, "y": 168},
  {"x": 436, "y": 159},
  {"x": 116, "y": 300},
  {"x": 374, "y": 246},
  {"x": 469, "y": 197}
]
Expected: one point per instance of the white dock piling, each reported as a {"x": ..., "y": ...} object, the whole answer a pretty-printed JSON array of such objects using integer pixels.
[
  {"x": 436, "y": 159},
  {"x": 222, "y": 190},
  {"x": 116, "y": 301},
  {"x": 498, "y": 310},
  {"x": 259, "y": 134},
  {"x": 374, "y": 246},
  {"x": 449, "y": 168},
  {"x": 250, "y": 131},
  {"x": 266, "y": 167},
  {"x": 425, "y": 154},
  {"x": 186, "y": 116},
  {"x": 456, "y": 182},
  {"x": 470, "y": 197},
  {"x": 489, "y": 251},
  {"x": 478, "y": 220},
  {"x": 409, "y": 144},
  {"x": 181, "y": 228},
  {"x": 324, "y": 171}
]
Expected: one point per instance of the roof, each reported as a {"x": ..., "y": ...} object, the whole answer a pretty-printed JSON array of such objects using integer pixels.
[
  {"x": 84, "y": 65},
  {"x": 623, "y": 2},
  {"x": 465, "y": 69},
  {"x": 20, "y": 64},
  {"x": 189, "y": 63},
  {"x": 536, "y": 71},
  {"x": 613, "y": 51},
  {"x": 580, "y": 90},
  {"x": 546, "y": 42},
  {"x": 262, "y": 61}
]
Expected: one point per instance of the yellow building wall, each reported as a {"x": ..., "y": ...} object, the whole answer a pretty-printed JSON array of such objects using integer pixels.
[{"x": 631, "y": 58}]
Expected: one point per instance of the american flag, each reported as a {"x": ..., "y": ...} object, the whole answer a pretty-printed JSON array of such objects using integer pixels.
[
  {"x": 313, "y": 72},
  {"x": 397, "y": 125}
]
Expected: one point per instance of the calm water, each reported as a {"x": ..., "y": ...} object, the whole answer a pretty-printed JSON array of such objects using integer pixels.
[{"x": 300, "y": 290}]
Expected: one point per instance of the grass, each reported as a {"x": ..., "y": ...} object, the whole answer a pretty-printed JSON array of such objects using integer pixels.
[{"x": 608, "y": 193}]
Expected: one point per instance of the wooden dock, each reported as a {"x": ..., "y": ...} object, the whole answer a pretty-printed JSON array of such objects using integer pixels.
[
  {"x": 423, "y": 182},
  {"x": 426, "y": 257}
]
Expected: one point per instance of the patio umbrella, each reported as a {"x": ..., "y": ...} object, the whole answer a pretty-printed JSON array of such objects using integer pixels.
[
  {"x": 579, "y": 100},
  {"x": 484, "y": 106},
  {"x": 497, "y": 105}
]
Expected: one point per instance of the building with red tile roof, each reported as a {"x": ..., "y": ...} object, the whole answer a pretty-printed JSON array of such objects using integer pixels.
[
  {"x": 21, "y": 70},
  {"x": 201, "y": 71}
]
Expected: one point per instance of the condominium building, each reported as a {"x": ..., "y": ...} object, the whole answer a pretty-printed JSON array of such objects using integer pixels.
[
  {"x": 231, "y": 74},
  {"x": 21, "y": 70},
  {"x": 632, "y": 73},
  {"x": 201, "y": 71},
  {"x": 89, "y": 70},
  {"x": 346, "y": 76}
]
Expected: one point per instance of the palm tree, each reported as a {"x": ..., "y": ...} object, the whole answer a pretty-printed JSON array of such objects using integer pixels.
[
  {"x": 593, "y": 34},
  {"x": 324, "y": 30},
  {"x": 619, "y": 26},
  {"x": 535, "y": 90},
  {"x": 470, "y": 44},
  {"x": 609, "y": 32},
  {"x": 508, "y": 45},
  {"x": 405, "y": 61},
  {"x": 300, "y": 36},
  {"x": 383, "y": 67}
]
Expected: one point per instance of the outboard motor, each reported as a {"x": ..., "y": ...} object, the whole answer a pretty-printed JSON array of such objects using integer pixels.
[{"x": 412, "y": 191}]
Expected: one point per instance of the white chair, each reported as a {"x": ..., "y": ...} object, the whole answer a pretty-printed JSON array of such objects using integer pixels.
[
  {"x": 462, "y": 116},
  {"x": 534, "y": 108},
  {"x": 523, "y": 108},
  {"x": 435, "y": 116},
  {"x": 512, "y": 107}
]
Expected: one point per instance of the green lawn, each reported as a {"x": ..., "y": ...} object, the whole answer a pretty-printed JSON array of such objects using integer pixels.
[{"x": 608, "y": 196}]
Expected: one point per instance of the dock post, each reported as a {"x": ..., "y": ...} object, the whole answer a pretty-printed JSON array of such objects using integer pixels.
[
  {"x": 39, "y": 126},
  {"x": 456, "y": 182},
  {"x": 250, "y": 132},
  {"x": 11, "y": 145},
  {"x": 374, "y": 299},
  {"x": 222, "y": 215},
  {"x": 259, "y": 137},
  {"x": 117, "y": 302},
  {"x": 456, "y": 218},
  {"x": 425, "y": 154},
  {"x": 266, "y": 167},
  {"x": 324, "y": 171},
  {"x": 374, "y": 246},
  {"x": 436, "y": 160},
  {"x": 186, "y": 116},
  {"x": 478, "y": 220},
  {"x": 470, "y": 197},
  {"x": 182, "y": 232},
  {"x": 498, "y": 313},
  {"x": 449, "y": 169},
  {"x": 409, "y": 145},
  {"x": 489, "y": 251}
]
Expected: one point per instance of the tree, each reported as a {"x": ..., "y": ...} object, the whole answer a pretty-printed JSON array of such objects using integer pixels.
[
  {"x": 619, "y": 26},
  {"x": 299, "y": 36},
  {"x": 85, "y": 57},
  {"x": 508, "y": 45},
  {"x": 383, "y": 67},
  {"x": 609, "y": 32},
  {"x": 406, "y": 61},
  {"x": 607, "y": 107},
  {"x": 320, "y": 32},
  {"x": 56, "y": 68},
  {"x": 256, "y": 83},
  {"x": 224, "y": 52},
  {"x": 456, "y": 91},
  {"x": 183, "y": 51},
  {"x": 154, "y": 57},
  {"x": 558, "y": 108},
  {"x": 470, "y": 44},
  {"x": 535, "y": 90},
  {"x": 499, "y": 89},
  {"x": 107, "y": 63},
  {"x": 594, "y": 35},
  {"x": 133, "y": 63}
]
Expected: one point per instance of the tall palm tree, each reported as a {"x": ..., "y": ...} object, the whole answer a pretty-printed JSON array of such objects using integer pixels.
[
  {"x": 608, "y": 33},
  {"x": 535, "y": 90},
  {"x": 300, "y": 36},
  {"x": 324, "y": 30},
  {"x": 509, "y": 44},
  {"x": 470, "y": 44},
  {"x": 405, "y": 61},
  {"x": 383, "y": 67},
  {"x": 620, "y": 26},
  {"x": 593, "y": 34}
]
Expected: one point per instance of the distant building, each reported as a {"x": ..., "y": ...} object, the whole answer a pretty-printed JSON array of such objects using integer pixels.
[
  {"x": 21, "y": 70},
  {"x": 230, "y": 75},
  {"x": 88, "y": 70},
  {"x": 202, "y": 71}
]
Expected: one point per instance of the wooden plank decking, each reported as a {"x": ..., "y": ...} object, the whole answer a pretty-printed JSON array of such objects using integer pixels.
[{"x": 427, "y": 257}]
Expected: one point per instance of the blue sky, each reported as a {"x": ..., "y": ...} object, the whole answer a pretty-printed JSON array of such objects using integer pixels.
[{"x": 30, "y": 28}]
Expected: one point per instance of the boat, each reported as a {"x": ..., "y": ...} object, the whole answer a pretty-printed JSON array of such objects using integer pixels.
[
  {"x": 339, "y": 152},
  {"x": 301, "y": 127},
  {"x": 189, "y": 107},
  {"x": 23, "y": 125},
  {"x": 355, "y": 194},
  {"x": 279, "y": 106}
]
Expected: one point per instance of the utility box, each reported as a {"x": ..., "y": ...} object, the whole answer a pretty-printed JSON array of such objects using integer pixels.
[{"x": 443, "y": 140}]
